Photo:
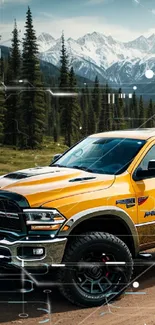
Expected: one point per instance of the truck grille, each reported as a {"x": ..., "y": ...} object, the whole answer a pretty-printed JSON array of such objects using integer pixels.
[{"x": 10, "y": 216}]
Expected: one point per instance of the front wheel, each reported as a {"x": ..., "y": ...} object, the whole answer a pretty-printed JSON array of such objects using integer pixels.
[{"x": 98, "y": 268}]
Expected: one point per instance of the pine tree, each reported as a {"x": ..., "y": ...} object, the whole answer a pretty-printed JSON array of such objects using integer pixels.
[
  {"x": 91, "y": 122},
  {"x": 64, "y": 86},
  {"x": 150, "y": 115},
  {"x": 110, "y": 111},
  {"x": 56, "y": 120},
  {"x": 127, "y": 115},
  {"x": 96, "y": 100},
  {"x": 33, "y": 99},
  {"x": 75, "y": 116},
  {"x": 115, "y": 105},
  {"x": 141, "y": 113},
  {"x": 1, "y": 67},
  {"x": 15, "y": 58},
  {"x": 131, "y": 113},
  {"x": 120, "y": 111},
  {"x": 84, "y": 108},
  {"x": 13, "y": 102},
  {"x": 48, "y": 116},
  {"x": 105, "y": 114},
  {"x": 2, "y": 103},
  {"x": 135, "y": 111},
  {"x": 64, "y": 71}
]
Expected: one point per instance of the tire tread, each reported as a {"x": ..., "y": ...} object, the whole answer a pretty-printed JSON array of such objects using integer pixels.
[{"x": 75, "y": 244}]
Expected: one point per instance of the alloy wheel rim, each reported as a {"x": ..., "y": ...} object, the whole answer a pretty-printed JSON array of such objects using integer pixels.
[{"x": 93, "y": 274}]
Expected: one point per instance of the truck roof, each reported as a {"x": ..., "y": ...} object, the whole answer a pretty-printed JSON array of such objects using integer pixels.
[{"x": 144, "y": 134}]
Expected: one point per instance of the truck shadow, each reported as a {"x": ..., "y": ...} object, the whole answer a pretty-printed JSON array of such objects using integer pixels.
[{"x": 43, "y": 302}]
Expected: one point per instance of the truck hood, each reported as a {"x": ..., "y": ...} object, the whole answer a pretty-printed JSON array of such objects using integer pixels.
[{"x": 43, "y": 184}]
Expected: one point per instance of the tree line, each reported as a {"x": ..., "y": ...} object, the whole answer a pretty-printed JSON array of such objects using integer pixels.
[{"x": 29, "y": 110}]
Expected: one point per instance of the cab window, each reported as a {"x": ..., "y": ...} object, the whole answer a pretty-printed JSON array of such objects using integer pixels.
[{"x": 149, "y": 156}]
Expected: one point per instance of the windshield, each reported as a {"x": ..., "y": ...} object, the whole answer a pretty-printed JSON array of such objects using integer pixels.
[{"x": 101, "y": 155}]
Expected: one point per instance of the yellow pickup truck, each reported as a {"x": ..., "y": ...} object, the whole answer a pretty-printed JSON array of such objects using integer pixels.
[{"x": 88, "y": 214}]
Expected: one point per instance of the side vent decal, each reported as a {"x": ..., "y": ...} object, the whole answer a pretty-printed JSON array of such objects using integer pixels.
[
  {"x": 81, "y": 179},
  {"x": 130, "y": 202}
]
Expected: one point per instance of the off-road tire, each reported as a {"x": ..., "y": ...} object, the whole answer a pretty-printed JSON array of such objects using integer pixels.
[{"x": 75, "y": 250}]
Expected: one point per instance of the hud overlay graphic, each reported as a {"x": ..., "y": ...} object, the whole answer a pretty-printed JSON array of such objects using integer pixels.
[{"x": 115, "y": 41}]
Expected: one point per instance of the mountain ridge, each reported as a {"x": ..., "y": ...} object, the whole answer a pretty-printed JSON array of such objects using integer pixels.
[
  {"x": 106, "y": 54},
  {"x": 97, "y": 54}
]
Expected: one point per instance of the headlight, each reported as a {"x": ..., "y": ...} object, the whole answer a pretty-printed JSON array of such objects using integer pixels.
[{"x": 44, "y": 219}]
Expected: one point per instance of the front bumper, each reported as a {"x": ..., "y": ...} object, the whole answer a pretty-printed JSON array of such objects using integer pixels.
[{"x": 53, "y": 252}]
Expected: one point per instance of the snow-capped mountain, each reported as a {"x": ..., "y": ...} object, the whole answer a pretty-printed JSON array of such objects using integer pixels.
[
  {"x": 96, "y": 48},
  {"x": 45, "y": 41},
  {"x": 97, "y": 54}
]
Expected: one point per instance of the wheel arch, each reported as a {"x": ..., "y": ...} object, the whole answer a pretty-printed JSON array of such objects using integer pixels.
[{"x": 106, "y": 219}]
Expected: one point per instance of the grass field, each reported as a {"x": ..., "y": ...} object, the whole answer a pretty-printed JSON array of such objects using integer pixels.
[{"x": 13, "y": 160}]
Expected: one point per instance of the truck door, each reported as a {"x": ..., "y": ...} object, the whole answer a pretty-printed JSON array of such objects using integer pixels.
[{"x": 145, "y": 195}]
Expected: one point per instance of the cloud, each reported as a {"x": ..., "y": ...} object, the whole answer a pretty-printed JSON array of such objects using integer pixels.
[
  {"x": 14, "y": 1},
  {"x": 95, "y": 2},
  {"x": 78, "y": 26},
  {"x": 73, "y": 27},
  {"x": 98, "y": 2}
]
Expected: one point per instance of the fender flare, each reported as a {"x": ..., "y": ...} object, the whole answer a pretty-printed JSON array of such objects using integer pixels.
[{"x": 103, "y": 211}]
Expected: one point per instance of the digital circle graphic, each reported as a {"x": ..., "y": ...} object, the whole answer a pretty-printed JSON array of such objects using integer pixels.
[
  {"x": 149, "y": 74},
  {"x": 47, "y": 291},
  {"x": 136, "y": 285},
  {"x": 23, "y": 315}
]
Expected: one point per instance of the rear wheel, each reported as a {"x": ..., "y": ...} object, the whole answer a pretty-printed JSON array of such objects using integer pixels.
[{"x": 98, "y": 268}]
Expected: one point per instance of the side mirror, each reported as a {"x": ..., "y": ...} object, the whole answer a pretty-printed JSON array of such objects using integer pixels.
[
  {"x": 56, "y": 157},
  {"x": 151, "y": 165},
  {"x": 141, "y": 174}
]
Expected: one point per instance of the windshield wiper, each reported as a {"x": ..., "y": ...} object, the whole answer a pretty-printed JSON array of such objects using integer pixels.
[
  {"x": 57, "y": 165},
  {"x": 83, "y": 168},
  {"x": 76, "y": 167}
]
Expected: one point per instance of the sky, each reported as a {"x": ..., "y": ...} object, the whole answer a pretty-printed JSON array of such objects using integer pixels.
[{"x": 124, "y": 20}]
